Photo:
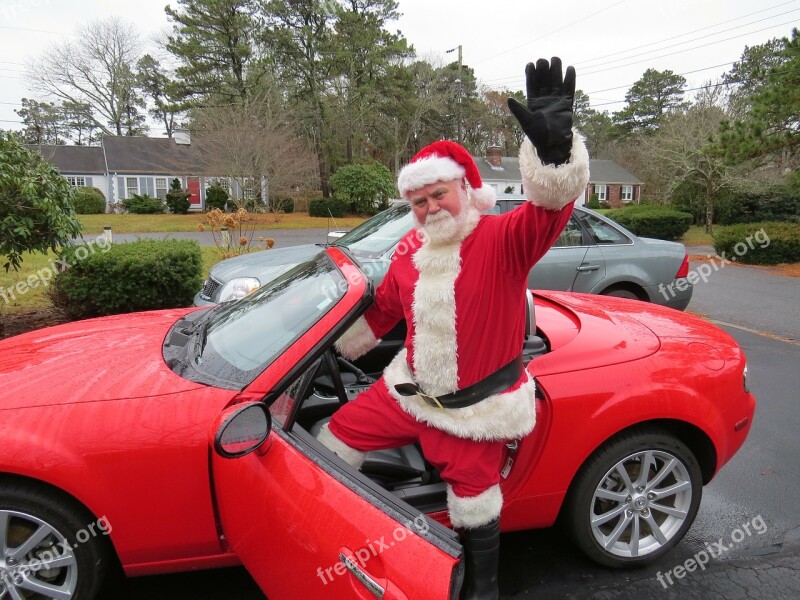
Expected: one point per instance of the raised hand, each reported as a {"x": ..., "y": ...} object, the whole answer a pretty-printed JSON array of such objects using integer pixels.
[{"x": 547, "y": 118}]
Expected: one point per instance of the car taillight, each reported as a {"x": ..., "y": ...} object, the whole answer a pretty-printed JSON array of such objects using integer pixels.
[{"x": 683, "y": 271}]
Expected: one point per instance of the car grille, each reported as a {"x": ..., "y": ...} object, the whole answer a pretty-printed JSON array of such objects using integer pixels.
[{"x": 209, "y": 287}]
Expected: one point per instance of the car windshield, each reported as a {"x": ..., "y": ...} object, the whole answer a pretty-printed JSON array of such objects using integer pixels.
[
  {"x": 242, "y": 338},
  {"x": 375, "y": 236}
]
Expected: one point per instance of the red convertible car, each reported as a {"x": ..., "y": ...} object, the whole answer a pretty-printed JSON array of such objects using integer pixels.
[{"x": 184, "y": 439}]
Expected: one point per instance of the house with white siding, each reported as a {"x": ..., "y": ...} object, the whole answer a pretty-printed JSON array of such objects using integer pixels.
[{"x": 126, "y": 165}]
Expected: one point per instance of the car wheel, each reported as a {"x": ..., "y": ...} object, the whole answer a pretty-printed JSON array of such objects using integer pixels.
[
  {"x": 48, "y": 549},
  {"x": 620, "y": 293},
  {"x": 634, "y": 499}
]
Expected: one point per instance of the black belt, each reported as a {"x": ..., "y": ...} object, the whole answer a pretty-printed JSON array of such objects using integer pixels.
[{"x": 495, "y": 383}]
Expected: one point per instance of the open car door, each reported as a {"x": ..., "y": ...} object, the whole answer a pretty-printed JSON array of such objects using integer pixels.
[{"x": 303, "y": 523}]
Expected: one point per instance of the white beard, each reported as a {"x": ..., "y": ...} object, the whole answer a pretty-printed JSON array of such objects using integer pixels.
[{"x": 443, "y": 228}]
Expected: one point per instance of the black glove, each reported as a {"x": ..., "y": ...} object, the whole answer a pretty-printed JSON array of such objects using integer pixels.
[{"x": 547, "y": 120}]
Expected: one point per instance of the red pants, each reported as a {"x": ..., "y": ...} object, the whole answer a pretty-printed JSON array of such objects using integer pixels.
[{"x": 374, "y": 421}]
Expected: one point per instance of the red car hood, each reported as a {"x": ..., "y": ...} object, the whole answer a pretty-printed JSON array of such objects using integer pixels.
[{"x": 88, "y": 361}]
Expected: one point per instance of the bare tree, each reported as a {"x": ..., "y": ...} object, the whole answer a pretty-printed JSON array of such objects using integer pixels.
[
  {"x": 99, "y": 70},
  {"x": 255, "y": 148},
  {"x": 685, "y": 148}
]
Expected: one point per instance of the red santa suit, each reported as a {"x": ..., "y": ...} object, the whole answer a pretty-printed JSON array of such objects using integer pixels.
[{"x": 464, "y": 306}]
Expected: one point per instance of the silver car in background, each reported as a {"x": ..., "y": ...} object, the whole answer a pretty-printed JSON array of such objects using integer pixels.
[{"x": 593, "y": 255}]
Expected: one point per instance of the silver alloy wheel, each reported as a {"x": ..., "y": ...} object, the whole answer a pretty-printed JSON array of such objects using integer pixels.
[
  {"x": 641, "y": 503},
  {"x": 36, "y": 560}
]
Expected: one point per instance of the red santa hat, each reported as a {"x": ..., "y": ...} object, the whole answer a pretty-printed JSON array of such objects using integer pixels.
[{"x": 446, "y": 161}]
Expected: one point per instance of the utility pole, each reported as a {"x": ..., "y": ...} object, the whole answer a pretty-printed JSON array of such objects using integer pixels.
[{"x": 459, "y": 84}]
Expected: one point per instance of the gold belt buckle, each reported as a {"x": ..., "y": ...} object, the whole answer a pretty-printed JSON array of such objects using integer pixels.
[{"x": 431, "y": 400}]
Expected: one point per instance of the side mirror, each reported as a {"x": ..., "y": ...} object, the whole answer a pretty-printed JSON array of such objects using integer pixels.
[{"x": 241, "y": 429}]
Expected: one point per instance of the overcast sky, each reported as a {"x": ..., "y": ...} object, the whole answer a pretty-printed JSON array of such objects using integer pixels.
[{"x": 610, "y": 42}]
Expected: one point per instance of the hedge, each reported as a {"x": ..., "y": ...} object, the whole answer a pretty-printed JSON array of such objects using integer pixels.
[
  {"x": 653, "y": 221},
  {"x": 107, "y": 279},
  {"x": 143, "y": 205},
  {"x": 765, "y": 243},
  {"x": 89, "y": 201},
  {"x": 327, "y": 208}
]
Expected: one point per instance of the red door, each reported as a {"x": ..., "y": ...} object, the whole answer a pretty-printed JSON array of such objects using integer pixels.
[
  {"x": 193, "y": 185},
  {"x": 303, "y": 523}
]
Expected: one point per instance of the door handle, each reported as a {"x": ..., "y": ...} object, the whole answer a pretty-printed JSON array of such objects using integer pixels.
[
  {"x": 348, "y": 559},
  {"x": 584, "y": 268}
]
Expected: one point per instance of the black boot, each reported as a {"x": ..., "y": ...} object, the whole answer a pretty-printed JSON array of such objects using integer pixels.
[{"x": 481, "y": 557}]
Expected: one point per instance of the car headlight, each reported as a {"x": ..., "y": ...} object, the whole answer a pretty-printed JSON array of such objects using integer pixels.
[{"x": 237, "y": 288}]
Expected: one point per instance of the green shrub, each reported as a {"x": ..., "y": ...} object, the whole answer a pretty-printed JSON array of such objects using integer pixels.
[
  {"x": 365, "y": 188},
  {"x": 279, "y": 203},
  {"x": 89, "y": 201},
  {"x": 653, "y": 221},
  {"x": 327, "y": 208},
  {"x": 107, "y": 279},
  {"x": 177, "y": 198},
  {"x": 594, "y": 203},
  {"x": 36, "y": 204},
  {"x": 765, "y": 243},
  {"x": 143, "y": 205},
  {"x": 216, "y": 197}
]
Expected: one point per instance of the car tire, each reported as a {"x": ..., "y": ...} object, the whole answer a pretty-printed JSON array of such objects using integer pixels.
[
  {"x": 620, "y": 523},
  {"x": 621, "y": 293},
  {"x": 61, "y": 547}
]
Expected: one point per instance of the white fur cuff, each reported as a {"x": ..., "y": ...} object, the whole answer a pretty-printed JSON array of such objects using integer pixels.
[
  {"x": 474, "y": 511},
  {"x": 356, "y": 341},
  {"x": 354, "y": 458},
  {"x": 551, "y": 186}
]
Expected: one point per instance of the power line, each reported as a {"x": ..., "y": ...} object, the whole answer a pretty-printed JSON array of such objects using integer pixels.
[
  {"x": 500, "y": 81},
  {"x": 550, "y": 33},
  {"x": 687, "y": 49},
  {"x": 598, "y": 58},
  {"x": 715, "y": 85},
  {"x": 36, "y": 30}
]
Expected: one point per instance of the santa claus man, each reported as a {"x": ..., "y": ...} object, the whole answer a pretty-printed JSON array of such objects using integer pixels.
[{"x": 458, "y": 387}]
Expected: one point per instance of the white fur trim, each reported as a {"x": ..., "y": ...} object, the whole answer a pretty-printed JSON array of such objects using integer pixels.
[
  {"x": 434, "y": 309},
  {"x": 474, "y": 511},
  {"x": 354, "y": 458},
  {"x": 426, "y": 171},
  {"x": 356, "y": 341},
  {"x": 503, "y": 416},
  {"x": 551, "y": 186},
  {"x": 483, "y": 198}
]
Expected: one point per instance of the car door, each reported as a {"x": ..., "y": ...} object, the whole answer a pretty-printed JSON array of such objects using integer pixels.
[
  {"x": 573, "y": 263},
  {"x": 303, "y": 523}
]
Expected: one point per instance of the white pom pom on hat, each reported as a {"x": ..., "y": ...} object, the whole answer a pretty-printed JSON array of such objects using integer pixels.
[{"x": 445, "y": 161}]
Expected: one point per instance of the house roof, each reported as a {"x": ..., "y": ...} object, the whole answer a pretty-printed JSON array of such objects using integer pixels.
[
  {"x": 507, "y": 171},
  {"x": 157, "y": 156},
  {"x": 78, "y": 160},
  {"x": 607, "y": 171},
  {"x": 600, "y": 171}
]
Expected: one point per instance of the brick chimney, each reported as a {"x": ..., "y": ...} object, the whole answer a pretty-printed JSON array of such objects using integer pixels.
[{"x": 493, "y": 155}]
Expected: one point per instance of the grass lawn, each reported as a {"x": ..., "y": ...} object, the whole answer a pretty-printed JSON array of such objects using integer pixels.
[
  {"x": 697, "y": 236},
  {"x": 93, "y": 224},
  {"x": 13, "y": 301}
]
